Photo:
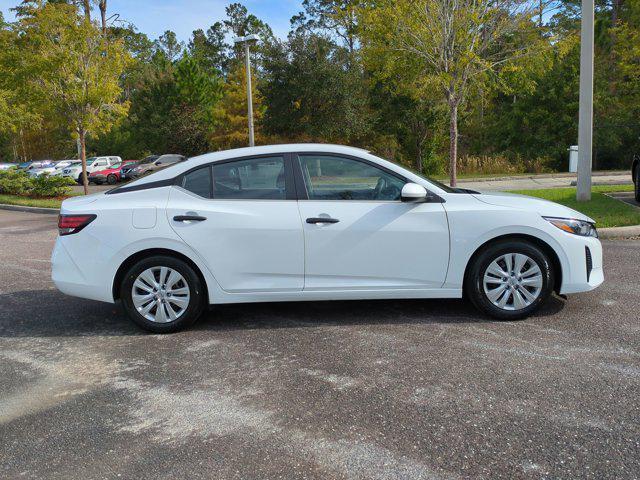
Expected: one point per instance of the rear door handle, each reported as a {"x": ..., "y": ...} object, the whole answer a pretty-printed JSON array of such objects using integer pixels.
[
  {"x": 189, "y": 218},
  {"x": 315, "y": 220}
]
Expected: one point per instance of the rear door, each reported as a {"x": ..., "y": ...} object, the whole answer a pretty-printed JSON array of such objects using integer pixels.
[
  {"x": 242, "y": 218},
  {"x": 360, "y": 235}
]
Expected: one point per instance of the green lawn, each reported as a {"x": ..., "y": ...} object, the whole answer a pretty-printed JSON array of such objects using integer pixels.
[
  {"x": 30, "y": 202},
  {"x": 606, "y": 211}
]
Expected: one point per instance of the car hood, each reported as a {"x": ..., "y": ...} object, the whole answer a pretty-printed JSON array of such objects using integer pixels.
[{"x": 545, "y": 208}]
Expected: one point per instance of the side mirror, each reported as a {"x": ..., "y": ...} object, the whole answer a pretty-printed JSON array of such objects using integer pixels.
[{"x": 412, "y": 192}]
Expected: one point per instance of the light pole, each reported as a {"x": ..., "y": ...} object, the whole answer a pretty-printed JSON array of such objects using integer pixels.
[
  {"x": 585, "y": 116},
  {"x": 248, "y": 40}
]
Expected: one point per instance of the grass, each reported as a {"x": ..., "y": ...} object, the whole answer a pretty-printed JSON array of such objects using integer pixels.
[
  {"x": 606, "y": 211},
  {"x": 31, "y": 202}
]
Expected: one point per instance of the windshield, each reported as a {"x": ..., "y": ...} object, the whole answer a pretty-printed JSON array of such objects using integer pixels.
[
  {"x": 438, "y": 184},
  {"x": 24, "y": 165},
  {"x": 116, "y": 165},
  {"x": 91, "y": 160}
]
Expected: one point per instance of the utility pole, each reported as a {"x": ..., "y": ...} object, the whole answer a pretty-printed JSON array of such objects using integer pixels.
[
  {"x": 585, "y": 116},
  {"x": 247, "y": 41}
]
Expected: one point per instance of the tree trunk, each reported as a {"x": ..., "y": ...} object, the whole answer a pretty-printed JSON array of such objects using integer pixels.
[
  {"x": 103, "y": 15},
  {"x": 83, "y": 157},
  {"x": 540, "y": 11},
  {"x": 24, "y": 147},
  {"x": 453, "y": 142},
  {"x": 86, "y": 5}
]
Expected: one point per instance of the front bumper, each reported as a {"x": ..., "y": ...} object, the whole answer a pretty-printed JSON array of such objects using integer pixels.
[{"x": 583, "y": 274}]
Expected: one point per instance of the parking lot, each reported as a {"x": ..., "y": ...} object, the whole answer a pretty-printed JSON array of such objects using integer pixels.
[{"x": 354, "y": 390}]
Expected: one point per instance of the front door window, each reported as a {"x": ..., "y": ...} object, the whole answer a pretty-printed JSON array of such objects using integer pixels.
[{"x": 337, "y": 178}]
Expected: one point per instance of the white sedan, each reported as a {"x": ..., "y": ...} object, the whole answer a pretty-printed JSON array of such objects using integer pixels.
[{"x": 314, "y": 222}]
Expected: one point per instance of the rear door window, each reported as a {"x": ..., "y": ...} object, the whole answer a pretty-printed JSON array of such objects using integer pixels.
[
  {"x": 198, "y": 182},
  {"x": 251, "y": 179}
]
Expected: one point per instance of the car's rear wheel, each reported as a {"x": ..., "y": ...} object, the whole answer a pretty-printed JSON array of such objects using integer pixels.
[
  {"x": 162, "y": 294},
  {"x": 510, "y": 279},
  {"x": 112, "y": 179}
]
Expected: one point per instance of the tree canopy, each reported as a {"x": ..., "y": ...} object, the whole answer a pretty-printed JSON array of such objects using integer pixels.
[{"x": 490, "y": 84}]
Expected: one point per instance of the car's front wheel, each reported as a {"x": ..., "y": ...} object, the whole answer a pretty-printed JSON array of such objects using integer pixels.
[
  {"x": 162, "y": 294},
  {"x": 112, "y": 179},
  {"x": 510, "y": 279}
]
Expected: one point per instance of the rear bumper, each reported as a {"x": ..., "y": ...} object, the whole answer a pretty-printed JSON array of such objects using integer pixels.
[{"x": 69, "y": 278}]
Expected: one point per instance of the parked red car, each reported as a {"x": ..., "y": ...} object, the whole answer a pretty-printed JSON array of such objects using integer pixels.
[{"x": 110, "y": 175}]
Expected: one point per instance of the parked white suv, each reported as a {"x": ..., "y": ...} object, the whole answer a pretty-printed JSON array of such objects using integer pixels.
[{"x": 94, "y": 164}]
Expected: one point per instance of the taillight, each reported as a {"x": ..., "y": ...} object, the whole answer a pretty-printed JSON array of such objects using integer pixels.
[{"x": 69, "y": 224}]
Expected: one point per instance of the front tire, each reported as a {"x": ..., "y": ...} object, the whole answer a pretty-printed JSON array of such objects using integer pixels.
[
  {"x": 510, "y": 279},
  {"x": 112, "y": 179},
  {"x": 162, "y": 294}
]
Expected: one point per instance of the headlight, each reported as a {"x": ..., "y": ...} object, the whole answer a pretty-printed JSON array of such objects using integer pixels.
[{"x": 577, "y": 227}]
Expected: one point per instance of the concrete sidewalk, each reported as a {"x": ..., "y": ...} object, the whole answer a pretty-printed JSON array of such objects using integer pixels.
[{"x": 537, "y": 182}]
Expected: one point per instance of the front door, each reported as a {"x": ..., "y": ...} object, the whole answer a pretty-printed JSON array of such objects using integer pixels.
[
  {"x": 359, "y": 235},
  {"x": 242, "y": 218}
]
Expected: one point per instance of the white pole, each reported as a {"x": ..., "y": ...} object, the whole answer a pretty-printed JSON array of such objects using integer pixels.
[
  {"x": 585, "y": 116},
  {"x": 249, "y": 96}
]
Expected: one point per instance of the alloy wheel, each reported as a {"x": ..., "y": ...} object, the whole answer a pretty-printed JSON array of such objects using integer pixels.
[
  {"x": 160, "y": 294},
  {"x": 513, "y": 281}
]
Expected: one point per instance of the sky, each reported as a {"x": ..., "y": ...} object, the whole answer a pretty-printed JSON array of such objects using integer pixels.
[{"x": 154, "y": 17}]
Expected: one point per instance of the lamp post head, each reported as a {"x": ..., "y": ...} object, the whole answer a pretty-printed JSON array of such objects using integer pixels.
[{"x": 248, "y": 39}]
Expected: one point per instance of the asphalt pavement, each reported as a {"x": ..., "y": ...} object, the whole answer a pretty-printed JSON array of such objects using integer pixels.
[{"x": 324, "y": 390}]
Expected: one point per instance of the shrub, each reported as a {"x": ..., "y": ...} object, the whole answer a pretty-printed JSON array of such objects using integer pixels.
[
  {"x": 51, "y": 186},
  {"x": 17, "y": 182},
  {"x": 500, "y": 164}
]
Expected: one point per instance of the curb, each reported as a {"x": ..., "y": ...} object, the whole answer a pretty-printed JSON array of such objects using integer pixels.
[
  {"x": 619, "y": 232},
  {"x": 23, "y": 208}
]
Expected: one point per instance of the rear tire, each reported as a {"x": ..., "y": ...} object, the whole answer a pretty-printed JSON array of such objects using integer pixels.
[
  {"x": 523, "y": 279},
  {"x": 165, "y": 312}
]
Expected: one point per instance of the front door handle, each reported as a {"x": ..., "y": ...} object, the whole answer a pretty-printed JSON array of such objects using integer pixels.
[
  {"x": 189, "y": 218},
  {"x": 316, "y": 220}
]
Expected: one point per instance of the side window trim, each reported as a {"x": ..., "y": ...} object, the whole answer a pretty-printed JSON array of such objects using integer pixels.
[{"x": 301, "y": 184}]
